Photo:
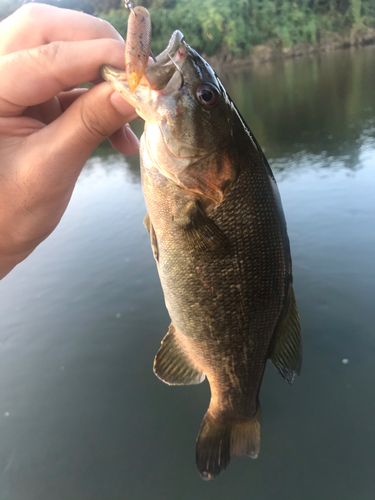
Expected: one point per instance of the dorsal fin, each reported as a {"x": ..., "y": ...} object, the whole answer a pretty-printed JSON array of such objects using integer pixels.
[
  {"x": 172, "y": 365},
  {"x": 286, "y": 348}
]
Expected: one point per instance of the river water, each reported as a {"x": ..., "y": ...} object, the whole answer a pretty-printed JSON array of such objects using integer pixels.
[{"x": 82, "y": 416}]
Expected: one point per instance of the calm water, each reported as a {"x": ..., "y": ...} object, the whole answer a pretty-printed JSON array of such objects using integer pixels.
[{"x": 82, "y": 417}]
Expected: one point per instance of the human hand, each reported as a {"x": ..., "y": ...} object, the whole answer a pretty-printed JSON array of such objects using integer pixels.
[{"x": 47, "y": 133}]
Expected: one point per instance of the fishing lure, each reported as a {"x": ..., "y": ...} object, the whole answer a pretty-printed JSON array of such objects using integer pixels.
[{"x": 138, "y": 44}]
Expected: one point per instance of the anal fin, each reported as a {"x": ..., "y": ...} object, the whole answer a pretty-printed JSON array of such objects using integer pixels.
[
  {"x": 286, "y": 347},
  {"x": 172, "y": 365}
]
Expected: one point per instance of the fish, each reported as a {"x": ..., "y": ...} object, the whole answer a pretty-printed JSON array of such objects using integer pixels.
[{"x": 219, "y": 239}]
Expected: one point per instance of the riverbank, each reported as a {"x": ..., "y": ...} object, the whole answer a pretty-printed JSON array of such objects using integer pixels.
[{"x": 269, "y": 52}]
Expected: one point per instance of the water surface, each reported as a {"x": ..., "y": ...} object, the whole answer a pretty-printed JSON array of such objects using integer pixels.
[{"x": 82, "y": 417}]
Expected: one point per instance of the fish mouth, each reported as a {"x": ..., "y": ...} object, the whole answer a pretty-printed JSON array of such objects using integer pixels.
[
  {"x": 159, "y": 74},
  {"x": 154, "y": 102},
  {"x": 160, "y": 79}
]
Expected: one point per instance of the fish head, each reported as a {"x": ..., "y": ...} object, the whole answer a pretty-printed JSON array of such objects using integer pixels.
[{"x": 190, "y": 120}]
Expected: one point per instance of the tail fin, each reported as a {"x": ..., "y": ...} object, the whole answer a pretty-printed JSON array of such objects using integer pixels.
[{"x": 220, "y": 440}]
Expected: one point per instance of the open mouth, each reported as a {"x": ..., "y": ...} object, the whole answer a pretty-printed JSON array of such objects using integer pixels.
[
  {"x": 158, "y": 75},
  {"x": 161, "y": 72}
]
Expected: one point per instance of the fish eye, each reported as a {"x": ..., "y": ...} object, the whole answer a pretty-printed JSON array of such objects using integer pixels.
[{"x": 207, "y": 94}]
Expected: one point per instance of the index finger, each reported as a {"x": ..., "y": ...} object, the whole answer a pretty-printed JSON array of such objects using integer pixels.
[
  {"x": 39, "y": 24},
  {"x": 30, "y": 77}
]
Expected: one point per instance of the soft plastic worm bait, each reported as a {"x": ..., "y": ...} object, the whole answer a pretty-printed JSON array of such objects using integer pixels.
[{"x": 138, "y": 44}]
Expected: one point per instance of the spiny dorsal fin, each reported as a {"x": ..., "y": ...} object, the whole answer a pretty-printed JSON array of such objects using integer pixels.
[
  {"x": 172, "y": 365},
  {"x": 286, "y": 353},
  {"x": 200, "y": 232}
]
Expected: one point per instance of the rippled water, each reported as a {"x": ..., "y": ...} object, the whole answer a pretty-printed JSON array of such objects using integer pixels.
[{"x": 82, "y": 417}]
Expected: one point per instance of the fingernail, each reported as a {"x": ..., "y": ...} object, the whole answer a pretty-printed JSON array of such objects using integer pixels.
[
  {"x": 130, "y": 136},
  {"x": 122, "y": 106}
]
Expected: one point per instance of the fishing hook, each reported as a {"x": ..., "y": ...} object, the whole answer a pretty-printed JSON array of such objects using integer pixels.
[
  {"x": 129, "y": 5},
  {"x": 179, "y": 70}
]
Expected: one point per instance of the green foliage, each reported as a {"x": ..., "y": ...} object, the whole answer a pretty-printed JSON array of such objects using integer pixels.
[
  {"x": 356, "y": 7},
  {"x": 118, "y": 19},
  {"x": 232, "y": 27}
]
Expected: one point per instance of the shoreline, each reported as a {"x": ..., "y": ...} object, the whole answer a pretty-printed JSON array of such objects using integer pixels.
[{"x": 267, "y": 53}]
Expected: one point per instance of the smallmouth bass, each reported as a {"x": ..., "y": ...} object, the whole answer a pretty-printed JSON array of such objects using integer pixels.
[{"x": 219, "y": 238}]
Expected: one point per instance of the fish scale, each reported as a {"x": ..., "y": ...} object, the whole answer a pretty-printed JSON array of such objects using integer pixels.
[{"x": 211, "y": 298}]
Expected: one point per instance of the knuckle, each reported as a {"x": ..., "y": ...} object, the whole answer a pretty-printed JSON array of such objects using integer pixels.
[
  {"x": 106, "y": 25},
  {"x": 31, "y": 12},
  {"x": 93, "y": 124},
  {"x": 46, "y": 54},
  {"x": 108, "y": 30}
]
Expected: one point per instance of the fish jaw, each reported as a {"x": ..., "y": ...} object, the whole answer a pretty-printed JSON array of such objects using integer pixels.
[
  {"x": 142, "y": 98},
  {"x": 149, "y": 103}
]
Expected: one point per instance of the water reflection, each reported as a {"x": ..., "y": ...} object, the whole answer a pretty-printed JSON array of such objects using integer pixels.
[
  {"x": 106, "y": 151},
  {"x": 305, "y": 104},
  {"x": 109, "y": 161}
]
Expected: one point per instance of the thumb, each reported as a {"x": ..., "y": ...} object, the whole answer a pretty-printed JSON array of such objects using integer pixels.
[{"x": 86, "y": 123}]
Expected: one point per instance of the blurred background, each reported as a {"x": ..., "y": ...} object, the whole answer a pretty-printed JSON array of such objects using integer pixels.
[
  {"x": 235, "y": 29},
  {"x": 82, "y": 416}
]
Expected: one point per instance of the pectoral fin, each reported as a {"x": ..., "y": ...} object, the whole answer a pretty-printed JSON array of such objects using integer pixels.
[
  {"x": 147, "y": 223},
  {"x": 151, "y": 230},
  {"x": 286, "y": 353},
  {"x": 172, "y": 365},
  {"x": 200, "y": 232}
]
